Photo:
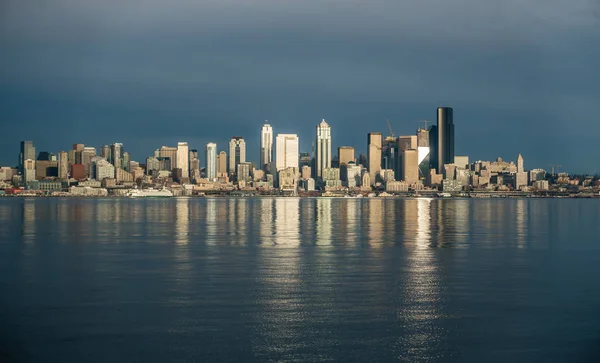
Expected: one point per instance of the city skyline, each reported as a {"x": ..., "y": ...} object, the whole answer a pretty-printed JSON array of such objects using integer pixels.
[{"x": 522, "y": 81}]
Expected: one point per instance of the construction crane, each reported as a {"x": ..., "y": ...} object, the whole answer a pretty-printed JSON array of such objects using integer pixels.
[
  {"x": 425, "y": 122},
  {"x": 555, "y": 166},
  {"x": 390, "y": 127}
]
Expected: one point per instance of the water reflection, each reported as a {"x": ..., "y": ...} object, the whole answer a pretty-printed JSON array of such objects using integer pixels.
[
  {"x": 182, "y": 223},
  {"x": 324, "y": 222},
  {"x": 287, "y": 221}
]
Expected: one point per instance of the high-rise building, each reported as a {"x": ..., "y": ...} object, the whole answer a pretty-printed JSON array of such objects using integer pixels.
[
  {"x": 63, "y": 165},
  {"x": 423, "y": 151},
  {"x": 323, "y": 156},
  {"x": 520, "y": 166},
  {"x": 222, "y": 164},
  {"x": 105, "y": 152},
  {"x": 346, "y": 154},
  {"x": 168, "y": 152},
  {"x": 211, "y": 161},
  {"x": 102, "y": 169},
  {"x": 410, "y": 166},
  {"x": 266, "y": 145},
  {"x": 182, "y": 159},
  {"x": 116, "y": 153},
  {"x": 28, "y": 170},
  {"x": 445, "y": 139},
  {"x": 374, "y": 154},
  {"x": 77, "y": 151},
  {"x": 194, "y": 161},
  {"x": 286, "y": 151},
  {"x": 87, "y": 154},
  {"x": 237, "y": 153},
  {"x": 27, "y": 152}
]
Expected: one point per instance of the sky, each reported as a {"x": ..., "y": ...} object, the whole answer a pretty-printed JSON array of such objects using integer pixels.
[{"x": 521, "y": 75}]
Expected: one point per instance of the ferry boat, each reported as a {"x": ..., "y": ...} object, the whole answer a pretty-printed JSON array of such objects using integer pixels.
[{"x": 149, "y": 193}]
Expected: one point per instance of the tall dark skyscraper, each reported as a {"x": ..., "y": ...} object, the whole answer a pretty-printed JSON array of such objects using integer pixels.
[{"x": 445, "y": 139}]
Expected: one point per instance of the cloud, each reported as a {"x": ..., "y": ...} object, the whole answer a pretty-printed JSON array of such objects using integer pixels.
[{"x": 528, "y": 65}]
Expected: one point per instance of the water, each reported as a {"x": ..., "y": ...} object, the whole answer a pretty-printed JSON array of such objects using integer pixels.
[{"x": 208, "y": 280}]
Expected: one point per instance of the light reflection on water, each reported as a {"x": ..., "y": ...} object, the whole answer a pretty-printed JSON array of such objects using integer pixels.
[{"x": 290, "y": 279}]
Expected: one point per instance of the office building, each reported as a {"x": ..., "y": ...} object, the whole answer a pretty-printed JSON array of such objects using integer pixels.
[
  {"x": 461, "y": 161},
  {"x": 195, "y": 161},
  {"x": 346, "y": 155},
  {"x": 182, "y": 159},
  {"x": 266, "y": 145},
  {"x": 27, "y": 152},
  {"x": 222, "y": 164},
  {"x": 237, "y": 153},
  {"x": 353, "y": 175},
  {"x": 63, "y": 165},
  {"x": 423, "y": 151},
  {"x": 520, "y": 164},
  {"x": 374, "y": 141},
  {"x": 77, "y": 150},
  {"x": 323, "y": 147},
  {"x": 306, "y": 172},
  {"x": 286, "y": 152},
  {"x": 445, "y": 137},
  {"x": 102, "y": 169},
  {"x": 410, "y": 166},
  {"x": 116, "y": 155},
  {"x": 211, "y": 161},
  {"x": 243, "y": 172},
  {"x": 170, "y": 153},
  {"x": 105, "y": 152},
  {"x": 86, "y": 158}
]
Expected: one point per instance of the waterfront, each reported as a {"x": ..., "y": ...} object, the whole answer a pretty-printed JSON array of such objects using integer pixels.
[{"x": 299, "y": 279}]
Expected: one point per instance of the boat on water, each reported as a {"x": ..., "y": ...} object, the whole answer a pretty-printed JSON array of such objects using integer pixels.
[
  {"x": 150, "y": 193},
  {"x": 444, "y": 195}
]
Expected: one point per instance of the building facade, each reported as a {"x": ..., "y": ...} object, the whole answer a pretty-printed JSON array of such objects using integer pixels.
[
  {"x": 211, "y": 161},
  {"x": 266, "y": 145},
  {"x": 287, "y": 155},
  {"x": 374, "y": 154},
  {"x": 323, "y": 148},
  {"x": 237, "y": 153},
  {"x": 182, "y": 159}
]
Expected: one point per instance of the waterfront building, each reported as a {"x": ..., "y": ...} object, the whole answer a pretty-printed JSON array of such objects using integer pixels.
[
  {"x": 6, "y": 173},
  {"x": 266, "y": 145},
  {"x": 445, "y": 139},
  {"x": 387, "y": 175},
  {"x": 366, "y": 180},
  {"x": 211, "y": 161},
  {"x": 288, "y": 179},
  {"x": 286, "y": 151},
  {"x": 182, "y": 159},
  {"x": 396, "y": 186},
  {"x": 541, "y": 185},
  {"x": 374, "y": 143},
  {"x": 237, "y": 153},
  {"x": 451, "y": 186},
  {"x": 323, "y": 156}
]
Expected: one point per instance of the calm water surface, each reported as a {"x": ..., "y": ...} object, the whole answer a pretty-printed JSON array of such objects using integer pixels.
[{"x": 249, "y": 280}]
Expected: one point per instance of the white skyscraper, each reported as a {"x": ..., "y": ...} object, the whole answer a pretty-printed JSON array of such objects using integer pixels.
[
  {"x": 237, "y": 153},
  {"x": 266, "y": 145},
  {"x": 323, "y": 157},
  {"x": 211, "y": 161},
  {"x": 182, "y": 159},
  {"x": 287, "y": 151}
]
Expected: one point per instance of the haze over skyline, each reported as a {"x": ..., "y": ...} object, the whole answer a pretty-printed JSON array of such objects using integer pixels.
[{"x": 520, "y": 75}]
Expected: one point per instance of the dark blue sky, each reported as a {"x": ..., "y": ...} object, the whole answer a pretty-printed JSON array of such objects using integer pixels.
[{"x": 522, "y": 76}]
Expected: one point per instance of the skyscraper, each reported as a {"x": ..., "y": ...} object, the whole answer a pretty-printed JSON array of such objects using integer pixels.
[
  {"x": 222, "y": 164},
  {"x": 520, "y": 167},
  {"x": 445, "y": 139},
  {"x": 266, "y": 145},
  {"x": 27, "y": 152},
  {"x": 410, "y": 166},
  {"x": 182, "y": 159},
  {"x": 116, "y": 153},
  {"x": 323, "y": 148},
  {"x": 78, "y": 150},
  {"x": 374, "y": 154},
  {"x": 170, "y": 153},
  {"x": 106, "y": 153},
  {"x": 286, "y": 151},
  {"x": 63, "y": 165},
  {"x": 211, "y": 161},
  {"x": 346, "y": 154},
  {"x": 423, "y": 151},
  {"x": 237, "y": 153}
]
